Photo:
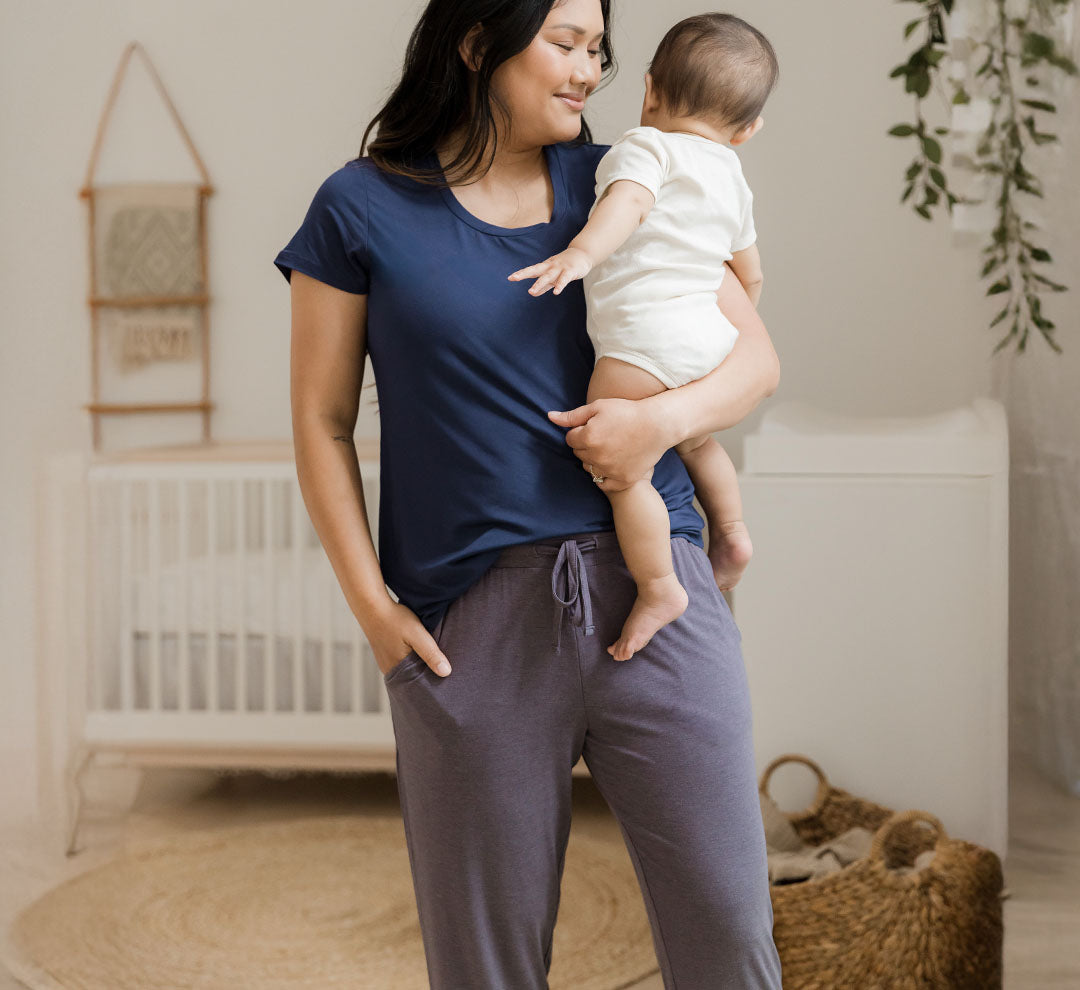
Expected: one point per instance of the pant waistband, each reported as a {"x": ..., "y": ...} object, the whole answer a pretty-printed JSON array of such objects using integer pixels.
[
  {"x": 567, "y": 557},
  {"x": 600, "y": 545}
]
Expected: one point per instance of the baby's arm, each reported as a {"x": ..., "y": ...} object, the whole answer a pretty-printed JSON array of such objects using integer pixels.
[
  {"x": 746, "y": 265},
  {"x": 618, "y": 213}
]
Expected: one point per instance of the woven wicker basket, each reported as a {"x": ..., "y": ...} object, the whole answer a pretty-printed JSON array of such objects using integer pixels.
[{"x": 868, "y": 927}]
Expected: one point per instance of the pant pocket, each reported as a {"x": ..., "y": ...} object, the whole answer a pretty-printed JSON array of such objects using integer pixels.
[{"x": 412, "y": 659}]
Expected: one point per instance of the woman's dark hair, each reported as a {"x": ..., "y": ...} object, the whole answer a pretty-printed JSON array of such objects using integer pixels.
[
  {"x": 436, "y": 95},
  {"x": 715, "y": 66}
]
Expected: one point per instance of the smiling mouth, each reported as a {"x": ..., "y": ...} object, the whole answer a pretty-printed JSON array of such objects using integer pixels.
[{"x": 573, "y": 103}]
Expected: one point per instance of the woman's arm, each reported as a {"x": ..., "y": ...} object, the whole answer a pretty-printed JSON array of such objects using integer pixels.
[
  {"x": 623, "y": 438},
  {"x": 328, "y": 357}
]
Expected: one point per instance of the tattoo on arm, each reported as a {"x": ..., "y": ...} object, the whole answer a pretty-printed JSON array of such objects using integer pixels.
[{"x": 344, "y": 438}]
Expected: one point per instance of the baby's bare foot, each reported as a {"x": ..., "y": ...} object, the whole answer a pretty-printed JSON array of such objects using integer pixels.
[
  {"x": 659, "y": 602},
  {"x": 730, "y": 551}
]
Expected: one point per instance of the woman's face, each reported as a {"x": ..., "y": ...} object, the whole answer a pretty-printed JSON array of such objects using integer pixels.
[{"x": 546, "y": 85}]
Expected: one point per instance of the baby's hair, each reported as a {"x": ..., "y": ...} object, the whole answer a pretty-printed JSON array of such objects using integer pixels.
[{"x": 717, "y": 67}]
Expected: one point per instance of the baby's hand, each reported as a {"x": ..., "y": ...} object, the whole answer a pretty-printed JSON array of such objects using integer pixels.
[{"x": 558, "y": 270}]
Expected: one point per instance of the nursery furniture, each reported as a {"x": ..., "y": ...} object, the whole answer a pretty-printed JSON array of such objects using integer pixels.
[
  {"x": 874, "y": 611},
  {"x": 193, "y": 619}
]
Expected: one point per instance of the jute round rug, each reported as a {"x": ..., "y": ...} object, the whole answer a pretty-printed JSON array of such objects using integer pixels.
[{"x": 321, "y": 903}]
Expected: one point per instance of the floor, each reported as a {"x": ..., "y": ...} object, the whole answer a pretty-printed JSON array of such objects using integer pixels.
[{"x": 1042, "y": 869}]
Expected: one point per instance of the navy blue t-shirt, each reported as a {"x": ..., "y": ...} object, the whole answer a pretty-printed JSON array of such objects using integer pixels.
[{"x": 467, "y": 364}]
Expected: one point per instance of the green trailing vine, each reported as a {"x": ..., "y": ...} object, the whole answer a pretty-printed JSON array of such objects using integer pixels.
[{"x": 1012, "y": 46}]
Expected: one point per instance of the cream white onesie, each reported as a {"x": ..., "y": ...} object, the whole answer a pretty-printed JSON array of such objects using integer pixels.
[{"x": 652, "y": 303}]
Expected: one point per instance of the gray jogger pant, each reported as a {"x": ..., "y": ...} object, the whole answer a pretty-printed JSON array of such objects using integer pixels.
[{"x": 484, "y": 759}]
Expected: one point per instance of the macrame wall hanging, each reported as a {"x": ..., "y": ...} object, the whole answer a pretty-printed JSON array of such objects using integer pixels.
[{"x": 149, "y": 302}]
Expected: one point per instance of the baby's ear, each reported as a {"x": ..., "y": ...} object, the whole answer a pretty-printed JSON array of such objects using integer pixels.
[{"x": 747, "y": 132}]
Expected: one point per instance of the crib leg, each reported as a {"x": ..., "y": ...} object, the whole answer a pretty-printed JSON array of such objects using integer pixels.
[{"x": 74, "y": 791}]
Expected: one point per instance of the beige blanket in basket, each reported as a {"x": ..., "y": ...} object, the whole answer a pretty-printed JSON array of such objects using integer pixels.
[{"x": 792, "y": 860}]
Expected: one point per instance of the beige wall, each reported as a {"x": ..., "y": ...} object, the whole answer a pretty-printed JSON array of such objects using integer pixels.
[{"x": 871, "y": 309}]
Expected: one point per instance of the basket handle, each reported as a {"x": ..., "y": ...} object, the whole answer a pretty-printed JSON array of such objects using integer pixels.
[
  {"x": 822, "y": 788},
  {"x": 877, "y": 846}
]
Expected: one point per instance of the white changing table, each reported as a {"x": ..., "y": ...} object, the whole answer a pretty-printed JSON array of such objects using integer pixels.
[{"x": 874, "y": 611}]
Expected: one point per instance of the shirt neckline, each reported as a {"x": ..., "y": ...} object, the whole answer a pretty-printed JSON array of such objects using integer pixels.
[
  {"x": 558, "y": 187},
  {"x": 701, "y": 139}
]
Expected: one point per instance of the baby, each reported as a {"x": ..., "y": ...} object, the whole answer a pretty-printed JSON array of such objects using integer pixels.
[{"x": 672, "y": 206}]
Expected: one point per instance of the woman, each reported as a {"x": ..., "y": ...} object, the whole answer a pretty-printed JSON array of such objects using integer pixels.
[{"x": 492, "y": 532}]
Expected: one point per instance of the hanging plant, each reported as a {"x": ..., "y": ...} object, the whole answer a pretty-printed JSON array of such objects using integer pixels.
[{"x": 1018, "y": 55}]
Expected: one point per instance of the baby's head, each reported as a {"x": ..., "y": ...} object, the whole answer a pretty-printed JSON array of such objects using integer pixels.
[{"x": 713, "y": 70}]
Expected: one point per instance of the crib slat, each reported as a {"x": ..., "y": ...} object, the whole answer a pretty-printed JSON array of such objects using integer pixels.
[
  {"x": 212, "y": 596},
  {"x": 96, "y": 503},
  {"x": 127, "y": 586},
  {"x": 153, "y": 526},
  {"x": 240, "y": 591},
  {"x": 270, "y": 583},
  {"x": 327, "y": 598},
  {"x": 359, "y": 664},
  {"x": 298, "y": 513},
  {"x": 183, "y": 660}
]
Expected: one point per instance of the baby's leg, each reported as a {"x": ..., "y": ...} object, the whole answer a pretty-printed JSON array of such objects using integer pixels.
[
  {"x": 717, "y": 488},
  {"x": 642, "y": 524}
]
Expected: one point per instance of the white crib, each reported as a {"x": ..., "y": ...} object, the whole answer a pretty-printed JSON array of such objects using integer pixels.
[{"x": 192, "y": 618}]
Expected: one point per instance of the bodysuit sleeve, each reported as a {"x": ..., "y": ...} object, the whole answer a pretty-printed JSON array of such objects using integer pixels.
[
  {"x": 639, "y": 155},
  {"x": 332, "y": 243},
  {"x": 748, "y": 234}
]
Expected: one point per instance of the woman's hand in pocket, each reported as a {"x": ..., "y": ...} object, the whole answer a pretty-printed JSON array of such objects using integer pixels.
[{"x": 397, "y": 632}]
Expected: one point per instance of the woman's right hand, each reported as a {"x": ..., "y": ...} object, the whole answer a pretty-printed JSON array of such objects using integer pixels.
[{"x": 396, "y": 632}]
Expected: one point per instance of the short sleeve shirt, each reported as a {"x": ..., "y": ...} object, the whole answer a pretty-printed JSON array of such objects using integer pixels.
[{"x": 467, "y": 365}]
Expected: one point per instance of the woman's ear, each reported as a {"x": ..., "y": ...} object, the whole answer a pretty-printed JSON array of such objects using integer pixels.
[{"x": 467, "y": 48}]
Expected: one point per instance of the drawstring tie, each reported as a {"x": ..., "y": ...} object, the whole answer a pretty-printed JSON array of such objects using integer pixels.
[{"x": 569, "y": 569}]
